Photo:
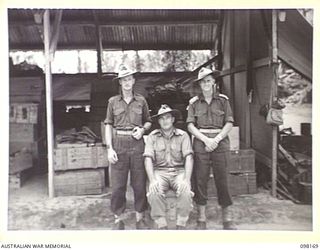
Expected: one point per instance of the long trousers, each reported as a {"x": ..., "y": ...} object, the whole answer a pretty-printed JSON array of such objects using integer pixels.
[
  {"x": 203, "y": 162},
  {"x": 130, "y": 158},
  {"x": 170, "y": 179}
]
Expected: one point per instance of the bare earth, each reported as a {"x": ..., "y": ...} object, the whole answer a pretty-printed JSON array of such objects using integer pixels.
[{"x": 31, "y": 209}]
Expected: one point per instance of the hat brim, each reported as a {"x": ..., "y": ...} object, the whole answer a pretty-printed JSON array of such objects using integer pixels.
[
  {"x": 175, "y": 112},
  {"x": 215, "y": 74},
  {"x": 128, "y": 74}
]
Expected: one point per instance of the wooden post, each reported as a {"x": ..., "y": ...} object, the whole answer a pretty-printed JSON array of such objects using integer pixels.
[
  {"x": 48, "y": 83},
  {"x": 98, "y": 44},
  {"x": 274, "y": 89}
]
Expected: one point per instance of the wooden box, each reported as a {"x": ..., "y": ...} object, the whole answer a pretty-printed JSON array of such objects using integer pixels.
[
  {"x": 239, "y": 184},
  {"x": 31, "y": 147},
  {"x": 234, "y": 138},
  {"x": 79, "y": 182},
  {"x": 18, "y": 179},
  {"x": 23, "y": 132},
  {"x": 79, "y": 156},
  {"x": 242, "y": 161},
  {"x": 243, "y": 183},
  {"x": 19, "y": 162},
  {"x": 24, "y": 113}
]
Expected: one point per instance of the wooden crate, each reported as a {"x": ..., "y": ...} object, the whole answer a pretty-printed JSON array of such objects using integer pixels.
[
  {"x": 17, "y": 180},
  {"x": 24, "y": 113},
  {"x": 239, "y": 184},
  {"x": 20, "y": 162},
  {"x": 242, "y": 161},
  {"x": 79, "y": 182},
  {"x": 31, "y": 147},
  {"x": 234, "y": 138},
  {"x": 23, "y": 132},
  {"x": 79, "y": 156}
]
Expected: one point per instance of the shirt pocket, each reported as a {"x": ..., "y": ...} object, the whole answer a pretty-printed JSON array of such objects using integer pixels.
[
  {"x": 176, "y": 153},
  {"x": 160, "y": 152},
  {"x": 119, "y": 113},
  {"x": 136, "y": 115},
  {"x": 201, "y": 117},
  {"x": 217, "y": 117}
]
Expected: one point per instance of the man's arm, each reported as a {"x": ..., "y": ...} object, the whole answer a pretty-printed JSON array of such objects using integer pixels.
[
  {"x": 112, "y": 155},
  {"x": 224, "y": 132},
  {"x": 188, "y": 167},
  {"x": 154, "y": 187}
]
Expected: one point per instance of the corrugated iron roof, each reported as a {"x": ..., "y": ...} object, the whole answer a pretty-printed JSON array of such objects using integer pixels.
[{"x": 121, "y": 29}]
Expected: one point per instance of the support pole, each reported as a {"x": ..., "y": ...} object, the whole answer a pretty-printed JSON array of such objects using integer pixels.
[
  {"x": 274, "y": 89},
  {"x": 48, "y": 84},
  {"x": 98, "y": 44}
]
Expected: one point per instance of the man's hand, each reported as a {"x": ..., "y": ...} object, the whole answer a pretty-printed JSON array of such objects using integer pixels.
[
  {"x": 211, "y": 144},
  {"x": 112, "y": 156},
  {"x": 154, "y": 187},
  {"x": 137, "y": 133},
  {"x": 184, "y": 186}
]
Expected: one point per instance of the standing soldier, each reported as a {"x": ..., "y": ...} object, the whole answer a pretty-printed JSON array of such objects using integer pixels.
[
  {"x": 210, "y": 120},
  {"x": 127, "y": 119}
]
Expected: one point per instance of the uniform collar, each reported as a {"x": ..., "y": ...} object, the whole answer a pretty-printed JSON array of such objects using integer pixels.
[
  {"x": 215, "y": 96},
  {"x": 120, "y": 96},
  {"x": 159, "y": 132}
]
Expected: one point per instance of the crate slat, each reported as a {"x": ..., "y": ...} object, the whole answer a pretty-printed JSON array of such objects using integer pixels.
[
  {"x": 17, "y": 180},
  {"x": 79, "y": 182},
  {"x": 23, "y": 132},
  {"x": 79, "y": 157},
  {"x": 24, "y": 113},
  {"x": 239, "y": 184},
  {"x": 20, "y": 162},
  {"x": 242, "y": 161}
]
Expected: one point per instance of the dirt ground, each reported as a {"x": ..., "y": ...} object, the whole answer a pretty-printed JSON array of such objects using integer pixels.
[{"x": 29, "y": 208}]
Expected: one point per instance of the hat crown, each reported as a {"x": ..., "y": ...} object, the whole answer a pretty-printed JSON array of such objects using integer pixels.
[
  {"x": 204, "y": 72},
  {"x": 124, "y": 71},
  {"x": 164, "y": 109}
]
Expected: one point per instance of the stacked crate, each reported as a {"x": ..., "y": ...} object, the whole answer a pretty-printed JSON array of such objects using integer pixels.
[
  {"x": 24, "y": 141},
  {"x": 79, "y": 169},
  {"x": 242, "y": 176}
]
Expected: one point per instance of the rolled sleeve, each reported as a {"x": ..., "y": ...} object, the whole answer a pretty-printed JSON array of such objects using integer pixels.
[
  {"x": 146, "y": 113},
  {"x": 186, "y": 145},
  {"x": 149, "y": 148},
  {"x": 109, "y": 115},
  {"x": 228, "y": 113},
  {"x": 191, "y": 114}
]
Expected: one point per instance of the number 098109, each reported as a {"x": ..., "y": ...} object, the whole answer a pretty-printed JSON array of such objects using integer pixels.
[{"x": 309, "y": 246}]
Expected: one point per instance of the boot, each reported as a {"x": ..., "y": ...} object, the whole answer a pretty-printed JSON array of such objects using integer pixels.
[{"x": 227, "y": 219}]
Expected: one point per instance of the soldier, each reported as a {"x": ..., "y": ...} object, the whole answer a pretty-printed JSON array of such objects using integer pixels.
[
  {"x": 210, "y": 120},
  {"x": 169, "y": 162},
  {"x": 127, "y": 119}
]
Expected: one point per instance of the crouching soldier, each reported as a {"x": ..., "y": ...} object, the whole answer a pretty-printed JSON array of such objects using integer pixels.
[
  {"x": 169, "y": 162},
  {"x": 210, "y": 120},
  {"x": 126, "y": 121}
]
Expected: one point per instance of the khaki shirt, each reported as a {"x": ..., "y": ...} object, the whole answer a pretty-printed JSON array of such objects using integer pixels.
[
  {"x": 127, "y": 116},
  {"x": 214, "y": 115},
  {"x": 168, "y": 152}
]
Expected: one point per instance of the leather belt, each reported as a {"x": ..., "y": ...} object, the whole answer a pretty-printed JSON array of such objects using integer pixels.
[
  {"x": 210, "y": 130},
  {"x": 171, "y": 169},
  {"x": 123, "y": 132}
]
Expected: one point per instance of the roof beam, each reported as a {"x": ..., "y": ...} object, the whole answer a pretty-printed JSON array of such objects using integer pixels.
[
  {"x": 106, "y": 46},
  {"x": 116, "y": 46},
  {"x": 117, "y": 24}
]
